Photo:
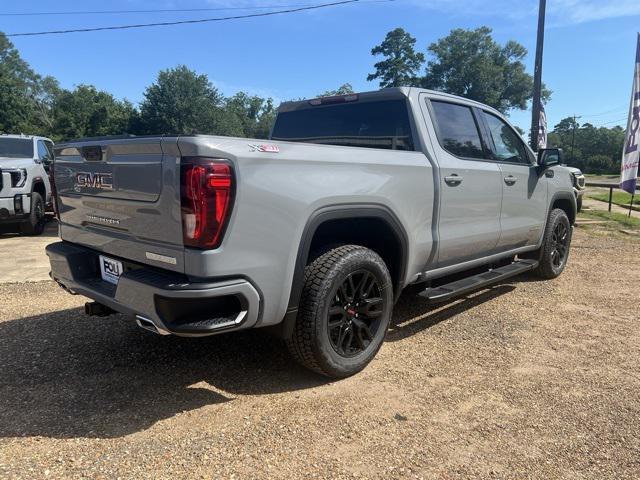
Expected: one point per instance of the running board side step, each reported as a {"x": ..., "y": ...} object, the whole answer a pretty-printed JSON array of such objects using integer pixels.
[{"x": 474, "y": 282}]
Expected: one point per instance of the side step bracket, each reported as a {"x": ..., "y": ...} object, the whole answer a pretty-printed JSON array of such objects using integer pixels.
[{"x": 474, "y": 282}]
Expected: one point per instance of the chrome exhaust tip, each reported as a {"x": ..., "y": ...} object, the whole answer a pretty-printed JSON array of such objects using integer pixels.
[{"x": 149, "y": 325}]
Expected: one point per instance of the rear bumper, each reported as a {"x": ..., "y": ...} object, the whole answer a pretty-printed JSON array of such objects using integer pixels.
[{"x": 164, "y": 299}]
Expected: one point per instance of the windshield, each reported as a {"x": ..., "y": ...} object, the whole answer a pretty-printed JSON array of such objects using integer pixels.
[
  {"x": 375, "y": 124},
  {"x": 16, "y": 147}
]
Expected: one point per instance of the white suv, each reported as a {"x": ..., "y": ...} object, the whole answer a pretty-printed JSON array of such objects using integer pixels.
[{"x": 25, "y": 191}]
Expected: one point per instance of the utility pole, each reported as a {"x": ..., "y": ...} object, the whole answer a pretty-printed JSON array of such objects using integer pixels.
[
  {"x": 573, "y": 135},
  {"x": 537, "y": 77}
]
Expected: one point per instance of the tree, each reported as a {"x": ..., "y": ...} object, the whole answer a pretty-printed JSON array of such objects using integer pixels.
[
  {"x": 24, "y": 94},
  {"x": 255, "y": 114},
  {"x": 181, "y": 101},
  {"x": 344, "y": 89},
  {"x": 401, "y": 64},
  {"x": 471, "y": 64},
  {"x": 594, "y": 150},
  {"x": 87, "y": 112}
]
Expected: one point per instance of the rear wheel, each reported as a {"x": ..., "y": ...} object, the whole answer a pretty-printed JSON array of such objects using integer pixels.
[
  {"x": 345, "y": 309},
  {"x": 35, "y": 224},
  {"x": 554, "y": 253}
]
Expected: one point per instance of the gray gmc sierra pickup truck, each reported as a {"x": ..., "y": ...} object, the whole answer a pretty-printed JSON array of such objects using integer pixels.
[{"x": 315, "y": 232}]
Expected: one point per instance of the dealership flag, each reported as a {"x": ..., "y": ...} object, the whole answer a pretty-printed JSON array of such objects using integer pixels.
[
  {"x": 542, "y": 128},
  {"x": 631, "y": 154}
]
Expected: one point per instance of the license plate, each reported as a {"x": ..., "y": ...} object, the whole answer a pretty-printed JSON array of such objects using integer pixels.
[{"x": 110, "y": 269}]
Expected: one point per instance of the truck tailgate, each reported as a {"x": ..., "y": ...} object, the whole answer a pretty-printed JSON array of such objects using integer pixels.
[{"x": 121, "y": 197}]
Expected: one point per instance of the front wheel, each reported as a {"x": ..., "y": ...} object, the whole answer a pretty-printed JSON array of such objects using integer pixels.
[
  {"x": 554, "y": 253},
  {"x": 344, "y": 312},
  {"x": 35, "y": 223}
]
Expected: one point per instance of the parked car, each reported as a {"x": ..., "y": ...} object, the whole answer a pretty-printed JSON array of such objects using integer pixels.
[
  {"x": 25, "y": 190},
  {"x": 316, "y": 232},
  {"x": 579, "y": 185}
]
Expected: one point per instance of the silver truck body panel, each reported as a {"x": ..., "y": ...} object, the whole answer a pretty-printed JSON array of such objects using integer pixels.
[{"x": 448, "y": 227}]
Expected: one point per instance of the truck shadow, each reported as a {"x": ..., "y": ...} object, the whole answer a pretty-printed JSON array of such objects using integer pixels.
[
  {"x": 65, "y": 375},
  {"x": 413, "y": 314},
  {"x": 50, "y": 230}
]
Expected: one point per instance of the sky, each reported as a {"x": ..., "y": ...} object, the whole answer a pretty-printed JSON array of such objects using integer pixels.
[{"x": 588, "y": 58}]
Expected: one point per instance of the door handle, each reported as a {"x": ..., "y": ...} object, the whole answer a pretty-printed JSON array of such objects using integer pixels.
[
  {"x": 453, "y": 180},
  {"x": 510, "y": 180}
]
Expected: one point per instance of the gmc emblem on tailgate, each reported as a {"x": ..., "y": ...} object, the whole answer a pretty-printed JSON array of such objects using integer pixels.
[{"x": 103, "y": 181}]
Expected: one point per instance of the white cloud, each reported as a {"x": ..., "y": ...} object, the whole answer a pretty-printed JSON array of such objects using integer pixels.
[
  {"x": 580, "y": 11},
  {"x": 559, "y": 12},
  {"x": 483, "y": 8}
]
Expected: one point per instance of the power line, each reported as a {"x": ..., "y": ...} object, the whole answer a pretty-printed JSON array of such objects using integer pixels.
[
  {"x": 613, "y": 121},
  {"x": 184, "y": 22},
  {"x": 608, "y": 112},
  {"x": 163, "y": 10}
]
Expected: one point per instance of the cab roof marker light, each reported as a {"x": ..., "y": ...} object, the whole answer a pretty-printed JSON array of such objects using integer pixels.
[{"x": 333, "y": 100}]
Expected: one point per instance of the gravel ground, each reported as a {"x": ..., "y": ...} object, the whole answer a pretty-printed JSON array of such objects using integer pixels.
[{"x": 528, "y": 379}]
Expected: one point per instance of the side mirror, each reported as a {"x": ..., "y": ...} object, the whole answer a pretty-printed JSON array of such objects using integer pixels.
[{"x": 548, "y": 157}]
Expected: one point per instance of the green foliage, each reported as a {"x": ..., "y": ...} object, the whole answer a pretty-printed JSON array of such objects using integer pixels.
[
  {"x": 255, "y": 114},
  {"x": 594, "y": 150},
  {"x": 183, "y": 102},
  {"x": 87, "y": 112},
  {"x": 471, "y": 64},
  {"x": 25, "y": 95},
  {"x": 179, "y": 101},
  {"x": 344, "y": 89},
  {"x": 401, "y": 64}
]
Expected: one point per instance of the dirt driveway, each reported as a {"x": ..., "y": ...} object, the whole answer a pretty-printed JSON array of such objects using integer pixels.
[
  {"x": 22, "y": 258},
  {"x": 526, "y": 380}
]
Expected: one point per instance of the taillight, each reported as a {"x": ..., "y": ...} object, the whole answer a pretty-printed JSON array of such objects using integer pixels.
[{"x": 206, "y": 193}]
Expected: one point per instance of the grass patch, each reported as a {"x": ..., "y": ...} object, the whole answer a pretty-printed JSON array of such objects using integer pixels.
[
  {"x": 619, "y": 197},
  {"x": 619, "y": 218},
  {"x": 593, "y": 177}
]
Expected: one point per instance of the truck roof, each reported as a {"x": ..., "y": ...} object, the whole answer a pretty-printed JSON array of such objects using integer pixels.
[
  {"x": 384, "y": 94},
  {"x": 33, "y": 137}
]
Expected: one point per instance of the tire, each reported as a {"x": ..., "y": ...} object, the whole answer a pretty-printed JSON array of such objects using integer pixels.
[
  {"x": 579, "y": 204},
  {"x": 35, "y": 224},
  {"x": 554, "y": 253},
  {"x": 344, "y": 311}
]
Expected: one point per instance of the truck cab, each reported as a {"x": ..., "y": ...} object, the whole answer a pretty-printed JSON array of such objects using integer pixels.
[{"x": 25, "y": 189}]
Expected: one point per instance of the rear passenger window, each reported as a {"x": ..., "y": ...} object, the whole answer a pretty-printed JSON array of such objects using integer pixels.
[
  {"x": 457, "y": 130},
  {"x": 508, "y": 147}
]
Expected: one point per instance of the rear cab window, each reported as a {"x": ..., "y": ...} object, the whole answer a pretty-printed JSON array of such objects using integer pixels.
[
  {"x": 382, "y": 124},
  {"x": 458, "y": 130}
]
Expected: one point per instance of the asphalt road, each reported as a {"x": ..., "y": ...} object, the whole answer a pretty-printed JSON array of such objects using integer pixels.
[{"x": 529, "y": 379}]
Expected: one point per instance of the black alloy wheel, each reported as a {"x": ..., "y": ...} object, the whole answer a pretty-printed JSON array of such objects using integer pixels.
[
  {"x": 355, "y": 313},
  {"x": 560, "y": 245}
]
